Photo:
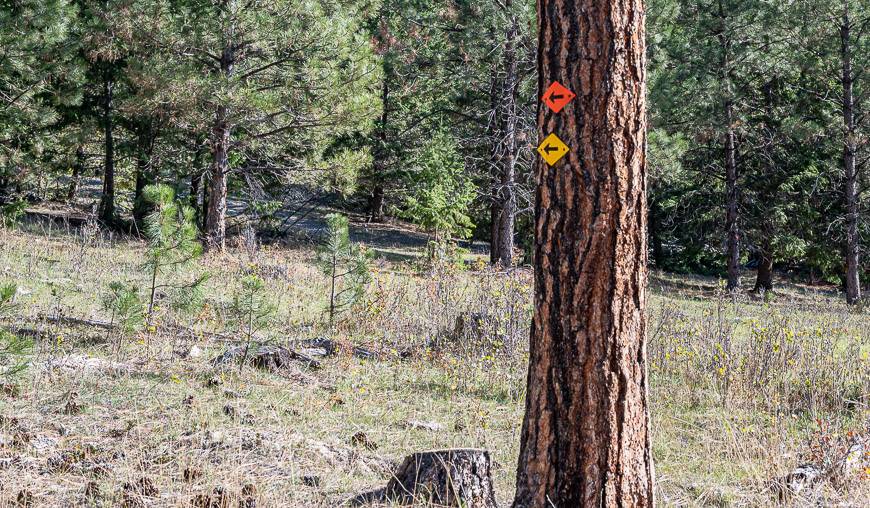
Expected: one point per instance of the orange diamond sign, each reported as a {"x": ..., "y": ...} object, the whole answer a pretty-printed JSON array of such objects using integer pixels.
[{"x": 557, "y": 97}]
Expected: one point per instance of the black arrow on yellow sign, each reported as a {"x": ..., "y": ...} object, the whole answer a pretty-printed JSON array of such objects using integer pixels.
[{"x": 551, "y": 148}]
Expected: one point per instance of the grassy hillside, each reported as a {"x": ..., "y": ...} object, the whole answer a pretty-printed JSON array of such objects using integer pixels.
[{"x": 742, "y": 390}]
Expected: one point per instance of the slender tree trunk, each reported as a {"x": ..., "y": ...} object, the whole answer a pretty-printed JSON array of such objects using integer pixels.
[
  {"x": 216, "y": 212},
  {"x": 768, "y": 196},
  {"x": 203, "y": 214},
  {"x": 732, "y": 242},
  {"x": 494, "y": 134},
  {"x": 215, "y": 222},
  {"x": 379, "y": 164},
  {"x": 585, "y": 438},
  {"x": 77, "y": 169},
  {"x": 196, "y": 185},
  {"x": 655, "y": 235},
  {"x": 764, "y": 274},
  {"x": 850, "y": 149},
  {"x": 144, "y": 176},
  {"x": 106, "y": 209},
  {"x": 376, "y": 203},
  {"x": 507, "y": 196}
]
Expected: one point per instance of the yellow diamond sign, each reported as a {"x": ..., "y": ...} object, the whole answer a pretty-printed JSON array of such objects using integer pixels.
[{"x": 552, "y": 149}]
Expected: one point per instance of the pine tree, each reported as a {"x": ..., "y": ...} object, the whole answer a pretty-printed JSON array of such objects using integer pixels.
[
  {"x": 345, "y": 264},
  {"x": 173, "y": 247}
]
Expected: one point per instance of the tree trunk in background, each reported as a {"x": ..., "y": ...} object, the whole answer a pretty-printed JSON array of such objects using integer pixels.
[
  {"x": 493, "y": 129},
  {"x": 376, "y": 204},
  {"x": 764, "y": 274},
  {"x": 195, "y": 185},
  {"x": 205, "y": 183},
  {"x": 507, "y": 202},
  {"x": 144, "y": 176},
  {"x": 106, "y": 210},
  {"x": 655, "y": 236},
  {"x": 77, "y": 170},
  {"x": 732, "y": 242},
  {"x": 216, "y": 210},
  {"x": 850, "y": 149},
  {"x": 379, "y": 164},
  {"x": 585, "y": 438}
]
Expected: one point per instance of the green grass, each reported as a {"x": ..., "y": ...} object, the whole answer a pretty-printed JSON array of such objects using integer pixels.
[{"x": 712, "y": 446}]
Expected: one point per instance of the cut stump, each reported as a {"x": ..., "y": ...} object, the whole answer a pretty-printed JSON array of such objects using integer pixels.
[{"x": 454, "y": 478}]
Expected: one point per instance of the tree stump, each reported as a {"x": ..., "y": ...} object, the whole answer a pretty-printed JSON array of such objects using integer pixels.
[{"x": 454, "y": 478}]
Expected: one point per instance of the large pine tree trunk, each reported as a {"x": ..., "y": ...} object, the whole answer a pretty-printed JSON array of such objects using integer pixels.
[
  {"x": 585, "y": 438},
  {"x": 850, "y": 148},
  {"x": 106, "y": 211}
]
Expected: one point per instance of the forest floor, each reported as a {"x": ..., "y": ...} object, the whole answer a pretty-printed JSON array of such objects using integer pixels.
[{"x": 741, "y": 390}]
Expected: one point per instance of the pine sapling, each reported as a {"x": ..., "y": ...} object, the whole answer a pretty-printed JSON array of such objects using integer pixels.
[
  {"x": 345, "y": 264},
  {"x": 173, "y": 246},
  {"x": 251, "y": 309}
]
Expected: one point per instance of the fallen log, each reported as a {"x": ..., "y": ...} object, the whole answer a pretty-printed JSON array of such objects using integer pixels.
[
  {"x": 454, "y": 478},
  {"x": 271, "y": 358}
]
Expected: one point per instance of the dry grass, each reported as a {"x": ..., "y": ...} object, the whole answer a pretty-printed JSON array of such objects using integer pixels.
[{"x": 742, "y": 391}]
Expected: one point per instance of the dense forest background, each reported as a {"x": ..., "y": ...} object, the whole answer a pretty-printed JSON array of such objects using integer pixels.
[{"x": 424, "y": 110}]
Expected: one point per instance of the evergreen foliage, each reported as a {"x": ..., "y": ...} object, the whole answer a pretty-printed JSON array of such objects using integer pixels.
[
  {"x": 173, "y": 248},
  {"x": 345, "y": 264}
]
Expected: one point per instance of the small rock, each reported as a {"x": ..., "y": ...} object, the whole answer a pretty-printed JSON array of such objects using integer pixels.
[
  {"x": 430, "y": 426},
  {"x": 214, "y": 381},
  {"x": 194, "y": 352}
]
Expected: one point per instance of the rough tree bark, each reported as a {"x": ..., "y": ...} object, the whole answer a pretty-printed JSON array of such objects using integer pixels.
[
  {"x": 454, "y": 477},
  {"x": 585, "y": 438},
  {"x": 106, "y": 210},
  {"x": 850, "y": 149},
  {"x": 216, "y": 210}
]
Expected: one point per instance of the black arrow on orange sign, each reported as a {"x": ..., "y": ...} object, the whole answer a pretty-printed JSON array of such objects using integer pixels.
[{"x": 555, "y": 97}]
